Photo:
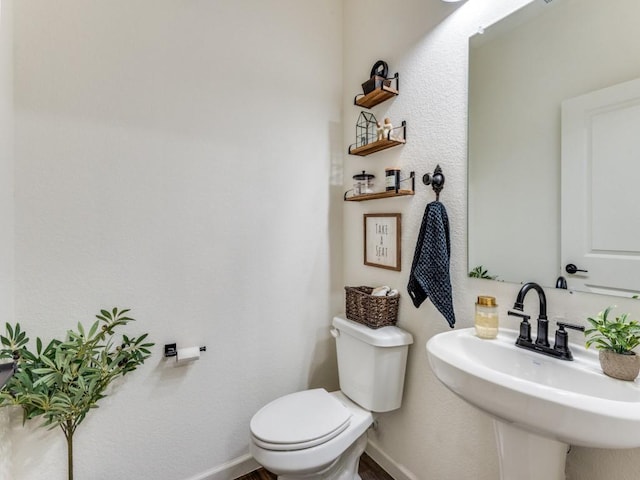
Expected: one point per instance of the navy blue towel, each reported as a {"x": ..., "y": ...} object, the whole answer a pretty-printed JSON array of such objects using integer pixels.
[{"x": 429, "y": 277}]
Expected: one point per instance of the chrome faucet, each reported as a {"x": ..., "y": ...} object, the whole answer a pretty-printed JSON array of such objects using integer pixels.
[{"x": 541, "y": 345}]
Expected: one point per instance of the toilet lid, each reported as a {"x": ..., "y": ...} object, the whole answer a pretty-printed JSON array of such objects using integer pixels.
[{"x": 299, "y": 420}]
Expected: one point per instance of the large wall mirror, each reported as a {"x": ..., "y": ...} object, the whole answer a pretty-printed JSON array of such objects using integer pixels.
[{"x": 554, "y": 146}]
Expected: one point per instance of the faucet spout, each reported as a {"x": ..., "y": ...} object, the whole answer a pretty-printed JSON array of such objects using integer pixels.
[
  {"x": 519, "y": 304},
  {"x": 561, "y": 348},
  {"x": 542, "y": 337}
]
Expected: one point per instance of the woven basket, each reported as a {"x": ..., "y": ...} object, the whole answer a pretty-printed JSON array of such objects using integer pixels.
[{"x": 374, "y": 312}]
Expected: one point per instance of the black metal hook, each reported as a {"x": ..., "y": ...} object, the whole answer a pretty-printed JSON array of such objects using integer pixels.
[{"x": 436, "y": 181}]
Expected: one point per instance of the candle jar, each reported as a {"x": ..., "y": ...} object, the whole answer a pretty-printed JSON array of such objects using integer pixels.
[
  {"x": 363, "y": 183},
  {"x": 486, "y": 319},
  {"x": 392, "y": 178}
]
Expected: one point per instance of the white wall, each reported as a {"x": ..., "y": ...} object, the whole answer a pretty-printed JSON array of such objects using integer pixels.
[
  {"x": 6, "y": 162},
  {"x": 6, "y": 202},
  {"x": 181, "y": 159},
  {"x": 435, "y": 435}
]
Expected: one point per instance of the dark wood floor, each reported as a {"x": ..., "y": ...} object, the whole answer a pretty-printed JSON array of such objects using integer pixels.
[{"x": 369, "y": 470}]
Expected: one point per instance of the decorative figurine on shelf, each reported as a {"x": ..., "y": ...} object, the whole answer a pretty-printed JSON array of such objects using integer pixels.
[
  {"x": 387, "y": 128},
  {"x": 380, "y": 131}
]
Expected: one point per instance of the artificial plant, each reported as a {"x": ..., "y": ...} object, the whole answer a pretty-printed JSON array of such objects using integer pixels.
[
  {"x": 621, "y": 335},
  {"x": 481, "y": 272},
  {"x": 63, "y": 381}
]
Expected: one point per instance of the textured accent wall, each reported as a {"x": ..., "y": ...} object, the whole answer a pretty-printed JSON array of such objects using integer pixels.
[{"x": 435, "y": 435}]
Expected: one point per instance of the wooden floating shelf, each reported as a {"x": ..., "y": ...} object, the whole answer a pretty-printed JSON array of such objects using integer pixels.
[
  {"x": 386, "y": 193},
  {"x": 374, "y": 147},
  {"x": 382, "y": 93},
  {"x": 397, "y": 136},
  {"x": 375, "y": 196},
  {"x": 372, "y": 99}
]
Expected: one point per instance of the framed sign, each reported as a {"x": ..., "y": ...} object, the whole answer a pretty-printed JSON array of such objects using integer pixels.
[{"x": 382, "y": 240}]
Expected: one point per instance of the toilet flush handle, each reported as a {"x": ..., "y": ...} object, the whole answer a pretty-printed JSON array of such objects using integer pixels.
[{"x": 335, "y": 333}]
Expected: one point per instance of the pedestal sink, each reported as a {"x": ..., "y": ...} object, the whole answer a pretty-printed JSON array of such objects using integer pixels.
[{"x": 540, "y": 405}]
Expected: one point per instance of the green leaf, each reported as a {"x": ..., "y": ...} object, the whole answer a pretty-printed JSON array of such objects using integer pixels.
[
  {"x": 620, "y": 335},
  {"x": 47, "y": 361},
  {"x": 93, "y": 329},
  {"x": 48, "y": 380}
]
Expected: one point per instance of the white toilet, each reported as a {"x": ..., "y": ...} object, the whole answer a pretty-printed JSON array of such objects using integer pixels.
[{"x": 314, "y": 434}]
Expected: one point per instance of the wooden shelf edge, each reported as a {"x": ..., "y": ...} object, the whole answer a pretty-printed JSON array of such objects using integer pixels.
[
  {"x": 374, "y": 147},
  {"x": 376, "y": 97},
  {"x": 375, "y": 196}
]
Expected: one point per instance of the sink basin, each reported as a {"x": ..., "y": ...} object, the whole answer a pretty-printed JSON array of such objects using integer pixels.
[
  {"x": 571, "y": 401},
  {"x": 557, "y": 402}
]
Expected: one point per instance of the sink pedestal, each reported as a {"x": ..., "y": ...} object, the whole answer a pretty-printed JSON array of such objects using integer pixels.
[{"x": 527, "y": 456}]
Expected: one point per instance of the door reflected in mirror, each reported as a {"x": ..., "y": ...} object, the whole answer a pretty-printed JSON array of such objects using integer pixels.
[{"x": 522, "y": 70}]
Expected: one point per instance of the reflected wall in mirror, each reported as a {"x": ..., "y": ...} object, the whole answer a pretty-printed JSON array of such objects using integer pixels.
[{"x": 522, "y": 70}]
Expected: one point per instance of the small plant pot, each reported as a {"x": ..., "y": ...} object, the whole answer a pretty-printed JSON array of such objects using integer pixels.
[{"x": 619, "y": 365}]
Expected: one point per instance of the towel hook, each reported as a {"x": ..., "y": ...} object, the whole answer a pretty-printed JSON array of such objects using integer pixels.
[{"x": 436, "y": 181}]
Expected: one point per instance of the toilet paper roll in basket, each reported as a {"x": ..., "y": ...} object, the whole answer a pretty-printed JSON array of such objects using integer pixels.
[{"x": 188, "y": 354}]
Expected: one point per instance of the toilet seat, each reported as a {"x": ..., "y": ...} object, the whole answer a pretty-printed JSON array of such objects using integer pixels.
[{"x": 299, "y": 420}]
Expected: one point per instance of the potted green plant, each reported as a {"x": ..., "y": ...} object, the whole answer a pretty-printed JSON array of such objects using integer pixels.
[
  {"x": 615, "y": 340},
  {"x": 63, "y": 381}
]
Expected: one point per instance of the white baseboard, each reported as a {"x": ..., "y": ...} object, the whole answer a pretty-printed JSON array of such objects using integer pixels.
[
  {"x": 245, "y": 464},
  {"x": 397, "y": 471},
  {"x": 228, "y": 471}
]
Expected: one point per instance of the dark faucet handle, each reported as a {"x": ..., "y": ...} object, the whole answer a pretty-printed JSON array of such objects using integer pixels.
[
  {"x": 522, "y": 315},
  {"x": 525, "y": 326},
  {"x": 564, "y": 325},
  {"x": 562, "y": 339}
]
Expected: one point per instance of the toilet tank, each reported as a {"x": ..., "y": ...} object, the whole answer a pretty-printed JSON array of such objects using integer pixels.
[{"x": 371, "y": 363}]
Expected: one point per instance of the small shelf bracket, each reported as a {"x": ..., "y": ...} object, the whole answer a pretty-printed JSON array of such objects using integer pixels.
[{"x": 412, "y": 178}]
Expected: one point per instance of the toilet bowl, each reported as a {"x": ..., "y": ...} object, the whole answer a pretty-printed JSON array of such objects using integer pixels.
[
  {"x": 308, "y": 434},
  {"x": 314, "y": 434}
]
